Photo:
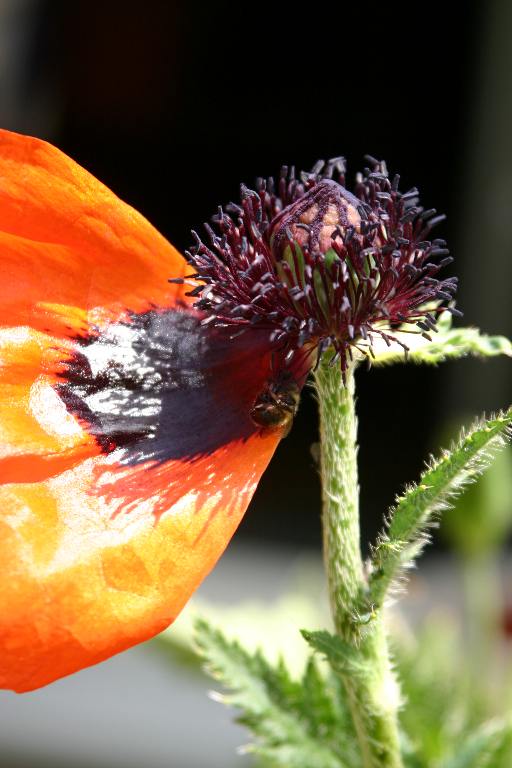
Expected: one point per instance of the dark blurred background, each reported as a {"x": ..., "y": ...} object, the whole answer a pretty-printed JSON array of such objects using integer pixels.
[{"x": 172, "y": 104}]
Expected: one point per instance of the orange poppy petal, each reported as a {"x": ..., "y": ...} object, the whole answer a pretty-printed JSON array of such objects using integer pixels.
[
  {"x": 127, "y": 451},
  {"x": 86, "y": 575},
  {"x": 36, "y": 430},
  {"x": 68, "y": 243},
  {"x": 130, "y": 458}
]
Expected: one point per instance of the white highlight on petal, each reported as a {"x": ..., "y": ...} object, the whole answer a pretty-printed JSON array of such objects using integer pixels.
[
  {"x": 14, "y": 337},
  {"x": 115, "y": 345},
  {"x": 50, "y": 412}
]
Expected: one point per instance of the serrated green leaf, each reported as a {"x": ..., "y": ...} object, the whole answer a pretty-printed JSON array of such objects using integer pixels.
[
  {"x": 294, "y": 724},
  {"x": 318, "y": 703},
  {"x": 482, "y": 519},
  {"x": 373, "y": 693},
  {"x": 448, "y": 343},
  {"x": 343, "y": 657},
  {"x": 405, "y": 534},
  {"x": 481, "y": 749}
]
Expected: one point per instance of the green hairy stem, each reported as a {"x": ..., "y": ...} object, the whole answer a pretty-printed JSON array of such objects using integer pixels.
[
  {"x": 340, "y": 496},
  {"x": 371, "y": 688}
]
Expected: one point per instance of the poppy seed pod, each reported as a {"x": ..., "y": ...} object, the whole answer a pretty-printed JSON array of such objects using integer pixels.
[{"x": 321, "y": 267}]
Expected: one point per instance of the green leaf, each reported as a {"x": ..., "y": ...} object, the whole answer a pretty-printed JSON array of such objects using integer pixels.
[
  {"x": 323, "y": 703},
  {"x": 296, "y": 724},
  {"x": 408, "y": 521},
  {"x": 482, "y": 748},
  {"x": 481, "y": 520},
  {"x": 373, "y": 693},
  {"x": 344, "y": 658},
  {"x": 448, "y": 343}
]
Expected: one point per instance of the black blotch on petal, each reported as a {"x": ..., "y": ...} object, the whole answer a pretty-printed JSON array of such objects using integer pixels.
[{"x": 164, "y": 387}]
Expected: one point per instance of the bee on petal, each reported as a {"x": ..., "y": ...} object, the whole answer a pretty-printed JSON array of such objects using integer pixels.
[{"x": 276, "y": 406}]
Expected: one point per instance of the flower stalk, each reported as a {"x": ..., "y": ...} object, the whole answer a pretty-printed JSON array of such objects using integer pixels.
[
  {"x": 371, "y": 688},
  {"x": 340, "y": 496}
]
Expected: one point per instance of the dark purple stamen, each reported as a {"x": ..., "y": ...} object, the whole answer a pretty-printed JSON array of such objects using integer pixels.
[{"x": 321, "y": 267}]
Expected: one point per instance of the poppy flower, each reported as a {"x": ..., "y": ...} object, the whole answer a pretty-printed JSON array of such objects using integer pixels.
[{"x": 142, "y": 394}]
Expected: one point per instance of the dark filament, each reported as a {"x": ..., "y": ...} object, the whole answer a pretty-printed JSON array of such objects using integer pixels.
[{"x": 320, "y": 267}]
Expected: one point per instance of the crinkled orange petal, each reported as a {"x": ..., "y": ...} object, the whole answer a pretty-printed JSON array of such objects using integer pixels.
[
  {"x": 38, "y": 437},
  {"x": 102, "y": 551},
  {"x": 127, "y": 452},
  {"x": 85, "y": 576},
  {"x": 66, "y": 241}
]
